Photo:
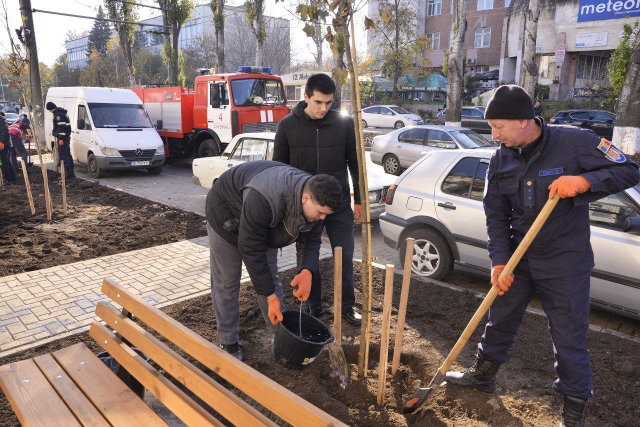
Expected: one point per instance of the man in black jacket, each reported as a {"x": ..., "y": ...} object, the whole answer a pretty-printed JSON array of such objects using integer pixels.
[
  {"x": 252, "y": 210},
  {"x": 317, "y": 140},
  {"x": 8, "y": 173},
  {"x": 62, "y": 133}
]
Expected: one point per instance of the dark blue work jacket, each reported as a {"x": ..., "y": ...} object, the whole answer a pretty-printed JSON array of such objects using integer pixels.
[{"x": 516, "y": 191}]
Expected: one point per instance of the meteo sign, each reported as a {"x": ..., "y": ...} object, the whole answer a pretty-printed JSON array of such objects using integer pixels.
[{"x": 599, "y": 10}]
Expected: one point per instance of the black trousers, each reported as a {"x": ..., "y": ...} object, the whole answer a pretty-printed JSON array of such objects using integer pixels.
[{"x": 64, "y": 153}]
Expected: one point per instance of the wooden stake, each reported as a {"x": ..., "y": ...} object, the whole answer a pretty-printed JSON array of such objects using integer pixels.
[
  {"x": 64, "y": 189},
  {"x": 26, "y": 184},
  {"x": 337, "y": 294},
  {"x": 402, "y": 310},
  {"x": 384, "y": 338},
  {"x": 1, "y": 177}
]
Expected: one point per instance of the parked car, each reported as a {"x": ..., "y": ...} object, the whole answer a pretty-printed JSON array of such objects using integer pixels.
[
  {"x": 601, "y": 122},
  {"x": 472, "y": 118},
  {"x": 11, "y": 118},
  {"x": 438, "y": 202},
  {"x": 389, "y": 116},
  {"x": 399, "y": 149},
  {"x": 248, "y": 147}
]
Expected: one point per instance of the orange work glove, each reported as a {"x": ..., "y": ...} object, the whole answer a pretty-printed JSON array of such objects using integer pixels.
[
  {"x": 275, "y": 312},
  {"x": 1, "y": 146},
  {"x": 61, "y": 143},
  {"x": 568, "y": 186},
  {"x": 357, "y": 210},
  {"x": 496, "y": 270},
  {"x": 303, "y": 281}
]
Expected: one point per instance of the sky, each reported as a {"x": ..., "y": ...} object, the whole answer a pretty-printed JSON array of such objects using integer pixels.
[{"x": 51, "y": 30}]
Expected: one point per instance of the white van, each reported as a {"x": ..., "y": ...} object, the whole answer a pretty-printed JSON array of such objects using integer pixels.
[{"x": 110, "y": 129}]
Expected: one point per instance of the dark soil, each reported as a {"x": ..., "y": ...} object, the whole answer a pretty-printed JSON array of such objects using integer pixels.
[
  {"x": 99, "y": 221},
  {"x": 435, "y": 318}
]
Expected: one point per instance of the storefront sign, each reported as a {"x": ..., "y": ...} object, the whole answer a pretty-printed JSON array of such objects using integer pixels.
[
  {"x": 600, "y": 10},
  {"x": 591, "y": 39},
  {"x": 560, "y": 51},
  {"x": 579, "y": 92}
]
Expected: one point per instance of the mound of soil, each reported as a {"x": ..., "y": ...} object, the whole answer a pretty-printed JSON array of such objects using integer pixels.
[
  {"x": 99, "y": 221},
  {"x": 435, "y": 318}
]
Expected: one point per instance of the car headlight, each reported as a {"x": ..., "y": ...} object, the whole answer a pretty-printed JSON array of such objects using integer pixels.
[
  {"x": 160, "y": 150},
  {"x": 107, "y": 151},
  {"x": 374, "y": 196}
]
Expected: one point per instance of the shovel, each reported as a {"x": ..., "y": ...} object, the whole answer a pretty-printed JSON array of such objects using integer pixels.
[{"x": 420, "y": 396}]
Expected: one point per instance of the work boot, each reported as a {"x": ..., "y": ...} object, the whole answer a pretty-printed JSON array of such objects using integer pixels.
[
  {"x": 234, "y": 350},
  {"x": 574, "y": 411},
  {"x": 316, "y": 310},
  {"x": 352, "y": 316},
  {"x": 481, "y": 376}
]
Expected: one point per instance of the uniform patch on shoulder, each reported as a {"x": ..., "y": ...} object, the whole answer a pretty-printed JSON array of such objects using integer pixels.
[
  {"x": 604, "y": 145},
  {"x": 615, "y": 155}
]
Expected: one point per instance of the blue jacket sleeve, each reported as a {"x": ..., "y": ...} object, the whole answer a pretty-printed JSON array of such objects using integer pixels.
[
  {"x": 498, "y": 211},
  {"x": 607, "y": 169}
]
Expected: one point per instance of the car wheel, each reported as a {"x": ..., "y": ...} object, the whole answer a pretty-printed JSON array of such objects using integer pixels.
[
  {"x": 399, "y": 124},
  {"x": 364, "y": 124},
  {"x": 156, "y": 170},
  {"x": 431, "y": 254},
  {"x": 391, "y": 165},
  {"x": 208, "y": 148},
  {"x": 94, "y": 168}
]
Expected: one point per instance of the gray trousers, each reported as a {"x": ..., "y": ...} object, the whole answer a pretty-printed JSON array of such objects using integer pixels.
[{"x": 226, "y": 271}]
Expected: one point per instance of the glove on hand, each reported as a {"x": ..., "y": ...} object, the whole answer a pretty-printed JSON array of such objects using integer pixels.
[
  {"x": 496, "y": 270},
  {"x": 275, "y": 312},
  {"x": 357, "y": 210},
  {"x": 568, "y": 186},
  {"x": 303, "y": 281}
]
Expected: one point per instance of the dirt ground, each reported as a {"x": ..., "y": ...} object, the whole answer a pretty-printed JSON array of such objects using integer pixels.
[
  {"x": 435, "y": 318},
  {"x": 99, "y": 221}
]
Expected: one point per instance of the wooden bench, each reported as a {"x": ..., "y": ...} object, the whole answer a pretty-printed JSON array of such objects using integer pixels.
[{"x": 71, "y": 387}]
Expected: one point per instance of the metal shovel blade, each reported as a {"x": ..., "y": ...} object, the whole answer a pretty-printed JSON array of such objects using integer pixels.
[{"x": 416, "y": 401}]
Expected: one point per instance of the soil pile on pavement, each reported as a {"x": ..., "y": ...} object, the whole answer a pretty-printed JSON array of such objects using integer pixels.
[
  {"x": 99, "y": 221},
  {"x": 435, "y": 318}
]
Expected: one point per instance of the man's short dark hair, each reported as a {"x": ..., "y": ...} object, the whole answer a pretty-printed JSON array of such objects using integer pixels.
[
  {"x": 325, "y": 190},
  {"x": 321, "y": 83}
]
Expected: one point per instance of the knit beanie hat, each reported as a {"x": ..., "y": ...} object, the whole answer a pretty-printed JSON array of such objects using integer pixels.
[
  {"x": 51, "y": 106},
  {"x": 509, "y": 102}
]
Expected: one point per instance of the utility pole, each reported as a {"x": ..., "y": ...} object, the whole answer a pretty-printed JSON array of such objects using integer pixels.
[{"x": 37, "y": 101}]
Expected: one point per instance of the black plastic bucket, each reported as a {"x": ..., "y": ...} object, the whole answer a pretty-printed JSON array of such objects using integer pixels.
[
  {"x": 297, "y": 352},
  {"x": 122, "y": 373}
]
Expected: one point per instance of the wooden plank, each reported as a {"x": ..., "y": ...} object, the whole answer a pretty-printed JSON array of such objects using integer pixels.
[
  {"x": 82, "y": 407},
  {"x": 282, "y": 402},
  {"x": 113, "y": 398},
  {"x": 227, "y": 404},
  {"x": 163, "y": 389},
  {"x": 32, "y": 398},
  {"x": 384, "y": 338},
  {"x": 337, "y": 294},
  {"x": 404, "y": 299}
]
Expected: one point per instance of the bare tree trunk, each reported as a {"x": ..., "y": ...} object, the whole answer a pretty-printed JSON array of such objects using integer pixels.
[
  {"x": 260, "y": 40},
  {"x": 37, "y": 101},
  {"x": 529, "y": 63},
  {"x": 318, "y": 39},
  {"x": 626, "y": 133},
  {"x": 173, "y": 63},
  {"x": 219, "y": 19},
  {"x": 128, "y": 54},
  {"x": 455, "y": 66},
  {"x": 396, "y": 68}
]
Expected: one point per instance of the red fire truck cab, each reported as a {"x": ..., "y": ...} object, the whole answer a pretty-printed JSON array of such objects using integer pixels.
[{"x": 200, "y": 123}]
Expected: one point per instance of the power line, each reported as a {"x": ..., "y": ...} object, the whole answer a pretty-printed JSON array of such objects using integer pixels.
[
  {"x": 142, "y": 5},
  {"x": 95, "y": 18}
]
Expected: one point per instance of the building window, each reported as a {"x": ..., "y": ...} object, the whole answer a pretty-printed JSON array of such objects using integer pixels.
[
  {"x": 434, "y": 7},
  {"x": 483, "y": 37},
  {"x": 485, "y": 4},
  {"x": 591, "y": 67},
  {"x": 434, "y": 41},
  {"x": 547, "y": 66},
  {"x": 507, "y": 3}
]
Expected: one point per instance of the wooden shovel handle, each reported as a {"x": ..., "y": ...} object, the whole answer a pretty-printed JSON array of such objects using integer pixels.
[{"x": 493, "y": 293}]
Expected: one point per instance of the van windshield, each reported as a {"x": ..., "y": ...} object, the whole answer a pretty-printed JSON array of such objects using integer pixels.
[
  {"x": 106, "y": 115},
  {"x": 249, "y": 92}
]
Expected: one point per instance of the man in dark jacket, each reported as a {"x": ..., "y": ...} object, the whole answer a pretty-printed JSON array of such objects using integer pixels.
[
  {"x": 62, "y": 133},
  {"x": 8, "y": 173},
  {"x": 252, "y": 210},
  {"x": 534, "y": 162},
  {"x": 317, "y": 140}
]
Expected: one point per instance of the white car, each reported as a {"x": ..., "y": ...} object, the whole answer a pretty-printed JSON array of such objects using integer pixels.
[
  {"x": 247, "y": 147},
  {"x": 389, "y": 116},
  {"x": 438, "y": 202}
]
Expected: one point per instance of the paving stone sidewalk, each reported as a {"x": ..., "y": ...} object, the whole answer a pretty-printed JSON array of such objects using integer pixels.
[{"x": 49, "y": 304}]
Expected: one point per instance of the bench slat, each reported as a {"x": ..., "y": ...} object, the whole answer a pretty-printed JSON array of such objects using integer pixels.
[
  {"x": 282, "y": 402},
  {"x": 69, "y": 392},
  {"x": 113, "y": 398},
  {"x": 223, "y": 401},
  {"x": 35, "y": 402},
  {"x": 169, "y": 394}
]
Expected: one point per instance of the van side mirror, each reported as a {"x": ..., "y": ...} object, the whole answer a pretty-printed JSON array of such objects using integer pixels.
[
  {"x": 451, "y": 146},
  {"x": 80, "y": 124},
  {"x": 632, "y": 225},
  {"x": 159, "y": 124}
]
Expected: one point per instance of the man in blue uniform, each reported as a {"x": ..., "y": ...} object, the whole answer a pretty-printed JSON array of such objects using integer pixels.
[
  {"x": 62, "y": 133},
  {"x": 534, "y": 162}
]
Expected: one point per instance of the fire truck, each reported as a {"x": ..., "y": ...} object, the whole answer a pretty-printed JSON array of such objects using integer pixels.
[{"x": 201, "y": 122}]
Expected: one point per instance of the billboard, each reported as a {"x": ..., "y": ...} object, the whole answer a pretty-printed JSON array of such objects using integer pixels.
[{"x": 600, "y": 10}]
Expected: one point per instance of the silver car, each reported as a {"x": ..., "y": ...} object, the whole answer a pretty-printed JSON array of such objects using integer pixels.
[
  {"x": 389, "y": 116},
  {"x": 399, "y": 149},
  {"x": 438, "y": 202}
]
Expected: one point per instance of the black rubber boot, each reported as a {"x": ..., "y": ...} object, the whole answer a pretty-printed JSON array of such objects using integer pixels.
[
  {"x": 481, "y": 376},
  {"x": 234, "y": 350},
  {"x": 574, "y": 411}
]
